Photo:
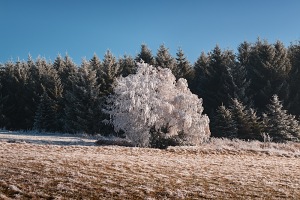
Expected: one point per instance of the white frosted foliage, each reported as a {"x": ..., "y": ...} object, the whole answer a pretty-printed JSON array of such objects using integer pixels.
[{"x": 153, "y": 98}]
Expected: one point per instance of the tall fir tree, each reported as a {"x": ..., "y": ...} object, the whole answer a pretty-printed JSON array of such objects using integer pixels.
[
  {"x": 294, "y": 79},
  {"x": 46, "y": 115},
  {"x": 127, "y": 65},
  {"x": 213, "y": 79},
  {"x": 268, "y": 68},
  {"x": 3, "y": 98},
  {"x": 201, "y": 67},
  {"x": 83, "y": 107},
  {"x": 280, "y": 125},
  {"x": 109, "y": 72},
  {"x": 145, "y": 55},
  {"x": 182, "y": 67},
  {"x": 224, "y": 124},
  {"x": 18, "y": 107},
  {"x": 50, "y": 91},
  {"x": 164, "y": 59},
  {"x": 241, "y": 117}
]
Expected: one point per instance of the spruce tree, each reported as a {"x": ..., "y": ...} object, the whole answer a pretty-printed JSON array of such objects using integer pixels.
[
  {"x": 145, "y": 55},
  {"x": 280, "y": 125},
  {"x": 46, "y": 115},
  {"x": 239, "y": 74},
  {"x": 3, "y": 98},
  {"x": 109, "y": 72},
  {"x": 241, "y": 117},
  {"x": 294, "y": 79},
  {"x": 83, "y": 107},
  {"x": 268, "y": 68},
  {"x": 164, "y": 59},
  {"x": 18, "y": 107},
  {"x": 224, "y": 123},
  {"x": 200, "y": 74},
  {"x": 256, "y": 126},
  {"x": 182, "y": 68},
  {"x": 127, "y": 65}
]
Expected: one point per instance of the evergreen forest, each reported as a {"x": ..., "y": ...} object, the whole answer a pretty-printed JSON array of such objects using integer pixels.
[{"x": 252, "y": 93}]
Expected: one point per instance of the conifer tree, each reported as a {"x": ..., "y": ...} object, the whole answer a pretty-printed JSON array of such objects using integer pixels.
[
  {"x": 46, "y": 115},
  {"x": 83, "y": 107},
  {"x": 280, "y": 125},
  {"x": 17, "y": 108},
  {"x": 95, "y": 63},
  {"x": 110, "y": 70},
  {"x": 164, "y": 59},
  {"x": 127, "y": 65},
  {"x": 269, "y": 67},
  {"x": 241, "y": 117},
  {"x": 200, "y": 71},
  {"x": 145, "y": 55},
  {"x": 182, "y": 68},
  {"x": 3, "y": 98},
  {"x": 294, "y": 79},
  {"x": 256, "y": 126},
  {"x": 65, "y": 68},
  {"x": 215, "y": 82},
  {"x": 224, "y": 123}
]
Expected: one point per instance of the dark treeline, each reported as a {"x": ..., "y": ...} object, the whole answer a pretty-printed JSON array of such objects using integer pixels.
[{"x": 251, "y": 94}]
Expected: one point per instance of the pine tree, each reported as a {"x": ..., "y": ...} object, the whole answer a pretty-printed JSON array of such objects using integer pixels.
[
  {"x": 214, "y": 82},
  {"x": 182, "y": 68},
  {"x": 145, "y": 55},
  {"x": 256, "y": 126},
  {"x": 65, "y": 68},
  {"x": 127, "y": 65},
  {"x": 294, "y": 79},
  {"x": 95, "y": 63},
  {"x": 269, "y": 67},
  {"x": 224, "y": 124},
  {"x": 46, "y": 118},
  {"x": 109, "y": 72},
  {"x": 83, "y": 107},
  {"x": 18, "y": 107},
  {"x": 3, "y": 98},
  {"x": 280, "y": 125},
  {"x": 164, "y": 59},
  {"x": 241, "y": 117},
  {"x": 200, "y": 74}
]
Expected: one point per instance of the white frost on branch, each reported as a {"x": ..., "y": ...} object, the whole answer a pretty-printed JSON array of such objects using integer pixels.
[{"x": 152, "y": 98}]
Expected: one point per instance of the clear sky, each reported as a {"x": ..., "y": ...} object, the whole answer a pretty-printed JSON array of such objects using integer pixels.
[{"x": 84, "y": 27}]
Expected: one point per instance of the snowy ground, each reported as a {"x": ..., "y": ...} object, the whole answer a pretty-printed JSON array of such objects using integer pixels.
[
  {"x": 52, "y": 167},
  {"x": 46, "y": 138}
]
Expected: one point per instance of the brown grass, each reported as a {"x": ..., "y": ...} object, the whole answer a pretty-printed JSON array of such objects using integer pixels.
[{"x": 31, "y": 171}]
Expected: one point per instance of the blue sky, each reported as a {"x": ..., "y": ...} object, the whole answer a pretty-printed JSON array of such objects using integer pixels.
[{"x": 84, "y": 27}]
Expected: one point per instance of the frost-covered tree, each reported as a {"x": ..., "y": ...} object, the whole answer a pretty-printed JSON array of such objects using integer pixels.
[
  {"x": 83, "y": 109},
  {"x": 127, "y": 65},
  {"x": 145, "y": 55},
  {"x": 153, "y": 99},
  {"x": 108, "y": 73},
  {"x": 182, "y": 67},
  {"x": 164, "y": 59},
  {"x": 46, "y": 115},
  {"x": 280, "y": 125}
]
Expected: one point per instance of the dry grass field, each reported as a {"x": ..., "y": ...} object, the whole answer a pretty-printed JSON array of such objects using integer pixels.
[{"x": 220, "y": 170}]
